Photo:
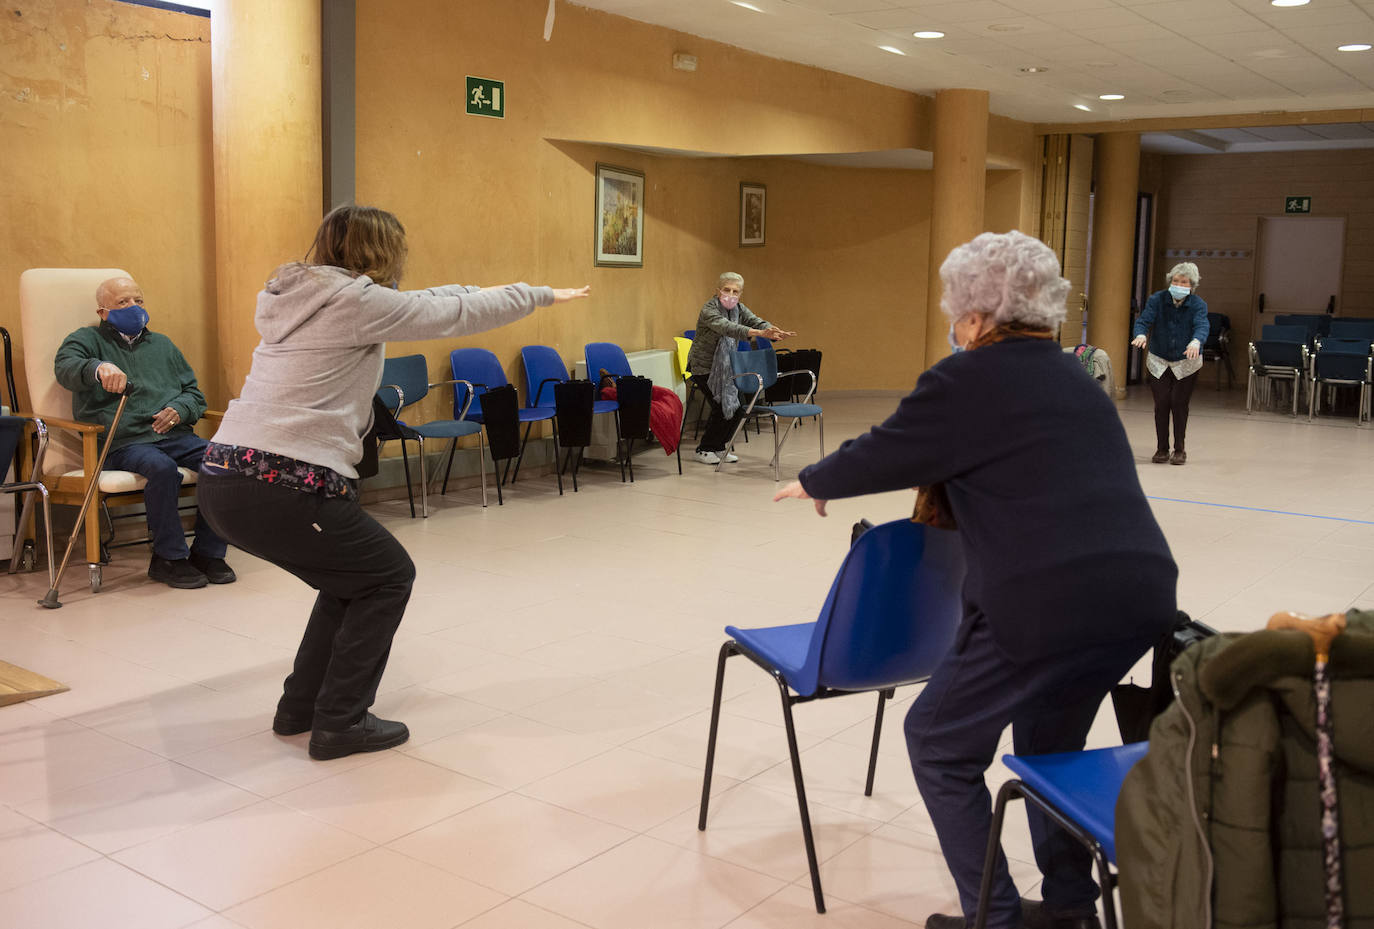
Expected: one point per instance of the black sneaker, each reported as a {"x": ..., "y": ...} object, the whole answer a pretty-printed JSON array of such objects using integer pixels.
[
  {"x": 370, "y": 734},
  {"x": 179, "y": 573},
  {"x": 216, "y": 570}
]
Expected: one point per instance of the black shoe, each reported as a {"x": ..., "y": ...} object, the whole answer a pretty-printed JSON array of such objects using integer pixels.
[
  {"x": 1161, "y": 456},
  {"x": 216, "y": 570},
  {"x": 179, "y": 573},
  {"x": 1034, "y": 916},
  {"x": 368, "y": 735},
  {"x": 1178, "y": 457},
  {"x": 287, "y": 724}
]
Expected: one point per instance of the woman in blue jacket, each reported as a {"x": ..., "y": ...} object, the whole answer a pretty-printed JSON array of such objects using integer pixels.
[{"x": 1176, "y": 319}]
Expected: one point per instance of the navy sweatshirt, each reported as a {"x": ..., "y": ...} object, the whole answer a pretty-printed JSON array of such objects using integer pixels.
[{"x": 1062, "y": 548}]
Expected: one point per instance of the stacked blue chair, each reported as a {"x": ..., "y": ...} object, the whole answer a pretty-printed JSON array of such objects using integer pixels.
[
  {"x": 544, "y": 371},
  {"x": 1352, "y": 329},
  {"x": 1316, "y": 324},
  {"x": 477, "y": 370},
  {"x": 1077, "y": 791},
  {"x": 1344, "y": 363},
  {"x": 888, "y": 620},
  {"x": 405, "y": 382},
  {"x": 1281, "y": 355},
  {"x": 755, "y": 372}
]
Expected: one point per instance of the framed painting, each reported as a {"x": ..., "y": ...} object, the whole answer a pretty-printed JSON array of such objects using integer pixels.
[
  {"x": 619, "y": 217},
  {"x": 753, "y": 213}
]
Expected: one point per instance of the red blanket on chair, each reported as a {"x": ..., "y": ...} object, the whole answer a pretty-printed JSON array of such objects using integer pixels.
[{"x": 665, "y": 415}]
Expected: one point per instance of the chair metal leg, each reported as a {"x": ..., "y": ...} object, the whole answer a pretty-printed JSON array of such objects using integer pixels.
[
  {"x": 405, "y": 464},
  {"x": 820, "y": 432},
  {"x": 424, "y": 482},
  {"x": 482, "y": 463},
  {"x": 883, "y": 697},
  {"x": 452, "y": 451},
  {"x": 801, "y": 794},
  {"x": 521, "y": 457},
  {"x": 726, "y": 650},
  {"x": 629, "y": 458}
]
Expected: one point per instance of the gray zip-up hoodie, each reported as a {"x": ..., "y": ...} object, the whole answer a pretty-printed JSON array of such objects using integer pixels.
[{"x": 309, "y": 393}]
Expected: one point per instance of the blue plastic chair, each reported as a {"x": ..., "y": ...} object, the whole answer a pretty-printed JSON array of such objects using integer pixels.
[
  {"x": 1077, "y": 791},
  {"x": 1342, "y": 362},
  {"x": 1351, "y": 329},
  {"x": 405, "y": 382},
  {"x": 611, "y": 358},
  {"x": 1272, "y": 332},
  {"x": 544, "y": 370},
  {"x": 476, "y": 370},
  {"x": 1272, "y": 360},
  {"x": 756, "y": 371},
  {"x": 888, "y": 620},
  {"x": 1316, "y": 324}
]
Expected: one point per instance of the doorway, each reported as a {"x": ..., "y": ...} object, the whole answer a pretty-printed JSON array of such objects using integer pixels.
[{"x": 1298, "y": 264}]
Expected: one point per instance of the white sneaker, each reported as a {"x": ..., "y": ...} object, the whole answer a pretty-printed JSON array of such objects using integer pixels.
[
  {"x": 708, "y": 458},
  {"x": 731, "y": 456}
]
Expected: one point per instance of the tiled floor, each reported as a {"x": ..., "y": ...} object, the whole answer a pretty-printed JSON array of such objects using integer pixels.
[{"x": 555, "y": 668}]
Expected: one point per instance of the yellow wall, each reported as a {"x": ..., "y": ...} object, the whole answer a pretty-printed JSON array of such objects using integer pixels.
[
  {"x": 1215, "y": 201},
  {"x": 106, "y": 158}
]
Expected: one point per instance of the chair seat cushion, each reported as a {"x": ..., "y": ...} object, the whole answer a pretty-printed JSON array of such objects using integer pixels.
[
  {"x": 794, "y": 410},
  {"x": 605, "y": 406},
  {"x": 1083, "y": 785},
  {"x": 448, "y": 429},
  {"x": 123, "y": 482},
  {"x": 535, "y": 414},
  {"x": 783, "y": 647}
]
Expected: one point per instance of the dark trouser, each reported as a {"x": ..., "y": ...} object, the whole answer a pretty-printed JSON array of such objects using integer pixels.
[
  {"x": 362, "y": 573},
  {"x": 952, "y": 734},
  {"x": 158, "y": 461},
  {"x": 718, "y": 429},
  {"x": 1171, "y": 399}
]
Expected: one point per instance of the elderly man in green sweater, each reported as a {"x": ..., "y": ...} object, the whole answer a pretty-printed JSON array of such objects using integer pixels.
[{"x": 97, "y": 363}]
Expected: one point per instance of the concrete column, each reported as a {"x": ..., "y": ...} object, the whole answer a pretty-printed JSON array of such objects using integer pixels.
[
  {"x": 265, "y": 74},
  {"x": 959, "y": 188},
  {"x": 1116, "y": 185}
]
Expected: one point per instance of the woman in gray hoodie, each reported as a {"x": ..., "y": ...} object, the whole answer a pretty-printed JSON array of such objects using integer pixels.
[{"x": 279, "y": 479}]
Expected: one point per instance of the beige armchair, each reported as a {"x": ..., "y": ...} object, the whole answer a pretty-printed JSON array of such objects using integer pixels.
[{"x": 53, "y": 302}]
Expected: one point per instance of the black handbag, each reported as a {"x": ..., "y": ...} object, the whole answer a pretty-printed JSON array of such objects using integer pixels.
[{"x": 1136, "y": 707}]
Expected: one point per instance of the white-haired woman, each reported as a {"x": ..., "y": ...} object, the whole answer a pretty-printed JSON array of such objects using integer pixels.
[
  {"x": 1176, "y": 320},
  {"x": 722, "y": 322},
  {"x": 1069, "y": 578}
]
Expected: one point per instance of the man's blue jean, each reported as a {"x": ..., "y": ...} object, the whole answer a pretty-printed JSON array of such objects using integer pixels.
[{"x": 158, "y": 461}]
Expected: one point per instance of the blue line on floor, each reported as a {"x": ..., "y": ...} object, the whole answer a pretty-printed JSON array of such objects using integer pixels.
[{"x": 1260, "y": 509}]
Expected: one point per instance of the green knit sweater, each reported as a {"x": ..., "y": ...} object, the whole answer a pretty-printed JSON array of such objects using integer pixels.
[{"x": 159, "y": 377}]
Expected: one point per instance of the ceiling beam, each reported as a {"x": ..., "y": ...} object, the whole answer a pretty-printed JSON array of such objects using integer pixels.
[{"x": 1226, "y": 121}]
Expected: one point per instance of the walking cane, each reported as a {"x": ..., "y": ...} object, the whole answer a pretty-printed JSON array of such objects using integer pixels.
[
  {"x": 50, "y": 601},
  {"x": 1323, "y": 630}
]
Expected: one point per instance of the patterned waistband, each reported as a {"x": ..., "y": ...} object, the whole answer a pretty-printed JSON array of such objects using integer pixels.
[{"x": 278, "y": 470}]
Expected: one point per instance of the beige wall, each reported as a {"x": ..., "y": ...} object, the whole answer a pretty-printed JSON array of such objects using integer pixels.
[
  {"x": 106, "y": 158},
  {"x": 1215, "y": 201}
]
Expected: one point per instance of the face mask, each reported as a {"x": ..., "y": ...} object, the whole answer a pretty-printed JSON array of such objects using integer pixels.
[
  {"x": 729, "y": 301},
  {"x": 129, "y": 320},
  {"x": 952, "y": 343},
  {"x": 1179, "y": 292}
]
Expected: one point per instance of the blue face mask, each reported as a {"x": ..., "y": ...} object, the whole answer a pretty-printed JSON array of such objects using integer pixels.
[
  {"x": 1178, "y": 293},
  {"x": 129, "y": 320},
  {"x": 953, "y": 344}
]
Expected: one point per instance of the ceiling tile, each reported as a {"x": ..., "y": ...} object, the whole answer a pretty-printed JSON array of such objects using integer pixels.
[
  {"x": 1037, "y": 7},
  {"x": 843, "y": 6},
  {"x": 1112, "y": 17},
  {"x": 1344, "y": 131},
  {"x": 1134, "y": 37}
]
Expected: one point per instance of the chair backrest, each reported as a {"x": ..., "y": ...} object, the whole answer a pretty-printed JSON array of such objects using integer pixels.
[
  {"x": 684, "y": 348},
  {"x": 691, "y": 334},
  {"x": 758, "y": 361},
  {"x": 1335, "y": 346},
  {"x": 1280, "y": 354},
  {"x": 411, "y": 374},
  {"x": 1342, "y": 362},
  {"x": 542, "y": 365},
  {"x": 1351, "y": 329},
  {"x": 606, "y": 355},
  {"x": 11, "y": 430},
  {"x": 53, "y": 302},
  {"x": 1284, "y": 332},
  {"x": 1217, "y": 325},
  {"x": 892, "y": 610},
  {"x": 1314, "y": 323},
  {"x": 481, "y": 367}
]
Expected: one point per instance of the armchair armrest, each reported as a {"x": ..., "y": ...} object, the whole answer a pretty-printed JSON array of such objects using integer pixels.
[
  {"x": 758, "y": 389},
  {"x": 811, "y": 391},
  {"x": 472, "y": 393},
  {"x": 73, "y": 425}
]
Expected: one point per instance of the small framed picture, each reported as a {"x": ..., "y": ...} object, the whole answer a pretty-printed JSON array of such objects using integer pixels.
[
  {"x": 619, "y": 217},
  {"x": 753, "y": 209}
]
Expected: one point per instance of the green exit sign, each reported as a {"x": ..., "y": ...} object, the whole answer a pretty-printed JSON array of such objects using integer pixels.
[
  {"x": 486, "y": 97},
  {"x": 1297, "y": 205}
]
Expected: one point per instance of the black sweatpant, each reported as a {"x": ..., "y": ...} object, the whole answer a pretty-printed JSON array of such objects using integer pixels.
[
  {"x": 1171, "y": 399},
  {"x": 362, "y": 573},
  {"x": 718, "y": 429}
]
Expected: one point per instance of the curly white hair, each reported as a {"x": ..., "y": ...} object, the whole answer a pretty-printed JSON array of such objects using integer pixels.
[{"x": 1012, "y": 276}]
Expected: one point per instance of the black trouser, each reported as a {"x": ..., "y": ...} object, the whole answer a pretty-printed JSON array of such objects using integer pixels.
[
  {"x": 1171, "y": 399},
  {"x": 362, "y": 573},
  {"x": 718, "y": 429}
]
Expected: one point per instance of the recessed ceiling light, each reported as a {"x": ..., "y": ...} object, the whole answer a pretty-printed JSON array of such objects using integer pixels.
[
  {"x": 1083, "y": 106},
  {"x": 1357, "y": 47},
  {"x": 1289, "y": 2},
  {"x": 893, "y": 50},
  {"x": 1034, "y": 69},
  {"x": 929, "y": 34},
  {"x": 747, "y": 6},
  {"x": 1111, "y": 96}
]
